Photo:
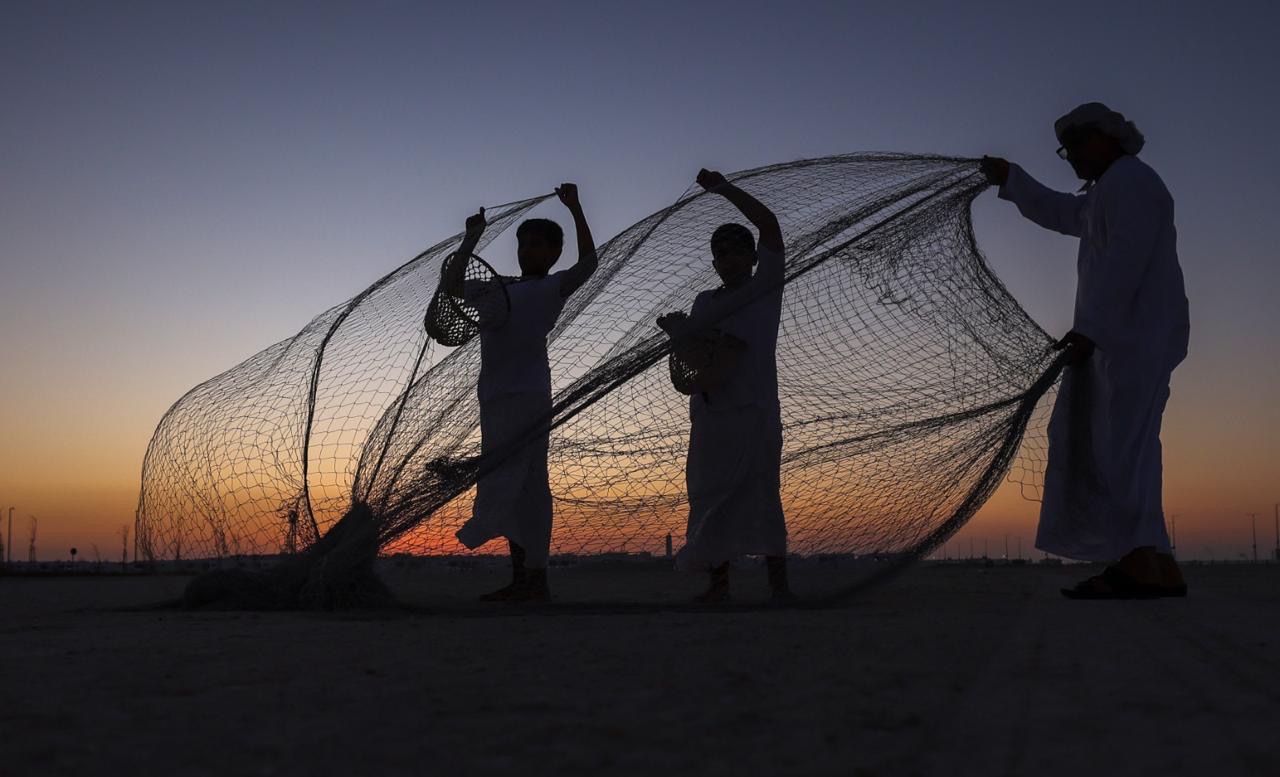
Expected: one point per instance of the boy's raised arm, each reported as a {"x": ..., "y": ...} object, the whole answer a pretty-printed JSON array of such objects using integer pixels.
[
  {"x": 456, "y": 265},
  {"x": 575, "y": 276},
  {"x": 755, "y": 211}
]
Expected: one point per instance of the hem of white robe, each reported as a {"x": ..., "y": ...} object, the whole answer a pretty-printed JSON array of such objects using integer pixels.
[
  {"x": 689, "y": 559},
  {"x": 694, "y": 556},
  {"x": 475, "y": 533},
  {"x": 506, "y": 523},
  {"x": 1105, "y": 556},
  {"x": 1105, "y": 552}
]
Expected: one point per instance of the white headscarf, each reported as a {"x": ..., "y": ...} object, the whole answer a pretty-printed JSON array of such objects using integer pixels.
[{"x": 1110, "y": 123}]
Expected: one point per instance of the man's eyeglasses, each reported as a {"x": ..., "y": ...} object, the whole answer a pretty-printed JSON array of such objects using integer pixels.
[{"x": 1072, "y": 140}]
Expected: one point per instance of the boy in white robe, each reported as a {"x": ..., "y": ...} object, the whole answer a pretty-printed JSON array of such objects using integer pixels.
[
  {"x": 735, "y": 440},
  {"x": 514, "y": 500},
  {"x": 1102, "y": 493}
]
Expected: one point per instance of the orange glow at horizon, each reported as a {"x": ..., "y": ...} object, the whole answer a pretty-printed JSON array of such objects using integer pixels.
[
  {"x": 93, "y": 511},
  {"x": 1215, "y": 475}
]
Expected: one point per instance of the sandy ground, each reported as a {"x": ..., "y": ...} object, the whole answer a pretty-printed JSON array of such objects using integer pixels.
[{"x": 944, "y": 670}]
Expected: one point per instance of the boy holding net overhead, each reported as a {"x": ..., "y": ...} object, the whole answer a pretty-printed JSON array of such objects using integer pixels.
[
  {"x": 513, "y": 500},
  {"x": 726, "y": 348}
]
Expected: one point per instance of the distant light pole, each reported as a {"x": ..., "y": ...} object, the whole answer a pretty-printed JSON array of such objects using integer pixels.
[
  {"x": 1253, "y": 523},
  {"x": 1278, "y": 532},
  {"x": 1173, "y": 535},
  {"x": 9, "y": 545}
]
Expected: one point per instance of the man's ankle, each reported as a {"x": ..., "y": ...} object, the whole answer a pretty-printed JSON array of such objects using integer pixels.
[
  {"x": 1141, "y": 564},
  {"x": 1170, "y": 572}
]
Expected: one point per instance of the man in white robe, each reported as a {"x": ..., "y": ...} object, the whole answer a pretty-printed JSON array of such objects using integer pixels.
[
  {"x": 514, "y": 500},
  {"x": 735, "y": 443},
  {"x": 1102, "y": 491}
]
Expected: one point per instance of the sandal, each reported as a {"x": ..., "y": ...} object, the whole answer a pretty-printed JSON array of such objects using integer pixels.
[{"x": 1115, "y": 583}]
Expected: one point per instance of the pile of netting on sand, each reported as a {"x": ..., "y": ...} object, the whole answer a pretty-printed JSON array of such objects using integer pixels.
[{"x": 907, "y": 375}]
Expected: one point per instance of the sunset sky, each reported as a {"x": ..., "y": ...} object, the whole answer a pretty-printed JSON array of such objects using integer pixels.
[{"x": 184, "y": 184}]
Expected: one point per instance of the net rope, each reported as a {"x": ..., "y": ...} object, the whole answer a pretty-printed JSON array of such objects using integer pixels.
[{"x": 908, "y": 377}]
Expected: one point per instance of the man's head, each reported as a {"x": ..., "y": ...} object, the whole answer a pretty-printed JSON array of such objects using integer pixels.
[
  {"x": 1093, "y": 136},
  {"x": 733, "y": 252},
  {"x": 538, "y": 245}
]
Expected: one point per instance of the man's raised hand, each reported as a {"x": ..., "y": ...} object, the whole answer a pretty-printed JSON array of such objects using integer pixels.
[
  {"x": 710, "y": 179},
  {"x": 995, "y": 169}
]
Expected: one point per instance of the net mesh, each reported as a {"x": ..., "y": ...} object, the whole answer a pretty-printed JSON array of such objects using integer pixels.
[
  {"x": 453, "y": 317},
  {"x": 907, "y": 376}
]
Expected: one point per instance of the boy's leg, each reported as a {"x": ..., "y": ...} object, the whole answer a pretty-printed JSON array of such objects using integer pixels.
[
  {"x": 518, "y": 576},
  {"x": 778, "y": 583},
  {"x": 537, "y": 506},
  {"x": 529, "y": 556},
  {"x": 537, "y": 533},
  {"x": 517, "y": 558},
  {"x": 718, "y": 588},
  {"x": 525, "y": 506}
]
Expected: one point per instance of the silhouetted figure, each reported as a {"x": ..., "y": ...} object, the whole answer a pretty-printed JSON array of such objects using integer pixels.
[
  {"x": 1102, "y": 491},
  {"x": 735, "y": 439},
  {"x": 514, "y": 500}
]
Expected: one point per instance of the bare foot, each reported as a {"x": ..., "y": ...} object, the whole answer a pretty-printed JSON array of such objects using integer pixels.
[
  {"x": 530, "y": 586},
  {"x": 503, "y": 594},
  {"x": 718, "y": 589},
  {"x": 714, "y": 593}
]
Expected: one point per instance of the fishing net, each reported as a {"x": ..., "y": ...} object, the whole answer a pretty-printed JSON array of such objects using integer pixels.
[
  {"x": 454, "y": 316},
  {"x": 907, "y": 378}
]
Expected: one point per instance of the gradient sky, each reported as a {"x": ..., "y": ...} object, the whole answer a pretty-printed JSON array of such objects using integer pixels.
[{"x": 184, "y": 184}]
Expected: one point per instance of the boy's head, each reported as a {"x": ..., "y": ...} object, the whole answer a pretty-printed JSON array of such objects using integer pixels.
[
  {"x": 538, "y": 245},
  {"x": 733, "y": 252}
]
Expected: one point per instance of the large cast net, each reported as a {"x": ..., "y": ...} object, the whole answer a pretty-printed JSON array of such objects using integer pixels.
[{"x": 907, "y": 377}]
